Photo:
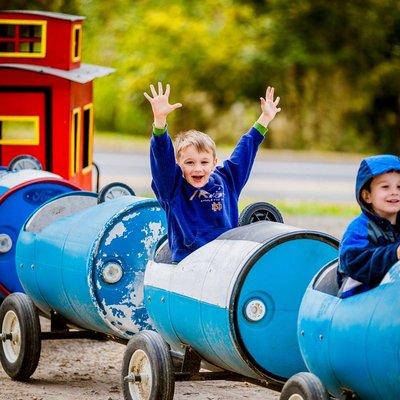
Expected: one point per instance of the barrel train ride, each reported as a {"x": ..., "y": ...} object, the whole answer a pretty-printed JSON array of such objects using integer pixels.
[
  {"x": 260, "y": 303},
  {"x": 100, "y": 268},
  {"x": 252, "y": 305}
]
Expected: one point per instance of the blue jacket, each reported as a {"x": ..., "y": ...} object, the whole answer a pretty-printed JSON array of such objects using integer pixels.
[
  {"x": 369, "y": 245},
  {"x": 197, "y": 216}
]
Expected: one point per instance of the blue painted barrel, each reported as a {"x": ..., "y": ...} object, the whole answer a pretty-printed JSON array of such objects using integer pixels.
[
  {"x": 236, "y": 299},
  {"x": 88, "y": 266},
  {"x": 21, "y": 193},
  {"x": 353, "y": 343}
]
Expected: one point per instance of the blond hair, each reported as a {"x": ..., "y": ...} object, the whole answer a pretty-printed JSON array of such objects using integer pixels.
[{"x": 200, "y": 141}]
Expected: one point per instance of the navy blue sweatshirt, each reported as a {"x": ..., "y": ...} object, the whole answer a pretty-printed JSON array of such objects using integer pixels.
[
  {"x": 197, "y": 216},
  {"x": 369, "y": 245}
]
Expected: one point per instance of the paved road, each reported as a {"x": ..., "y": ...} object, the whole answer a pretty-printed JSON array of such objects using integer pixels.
[{"x": 275, "y": 176}]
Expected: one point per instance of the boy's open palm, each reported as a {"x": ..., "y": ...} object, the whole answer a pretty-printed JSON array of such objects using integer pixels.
[
  {"x": 160, "y": 104},
  {"x": 269, "y": 106}
]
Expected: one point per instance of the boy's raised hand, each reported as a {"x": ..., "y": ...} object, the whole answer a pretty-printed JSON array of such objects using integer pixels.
[
  {"x": 269, "y": 107},
  {"x": 160, "y": 104}
]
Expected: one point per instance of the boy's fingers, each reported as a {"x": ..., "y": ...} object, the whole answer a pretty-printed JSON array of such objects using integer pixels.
[
  {"x": 153, "y": 91},
  {"x": 267, "y": 92},
  {"x": 271, "y": 93},
  {"x": 276, "y": 102},
  {"x": 160, "y": 92},
  {"x": 278, "y": 109},
  {"x": 167, "y": 90},
  {"x": 147, "y": 96},
  {"x": 176, "y": 105}
]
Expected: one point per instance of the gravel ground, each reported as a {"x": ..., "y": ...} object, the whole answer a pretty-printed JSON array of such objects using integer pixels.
[{"x": 90, "y": 370}]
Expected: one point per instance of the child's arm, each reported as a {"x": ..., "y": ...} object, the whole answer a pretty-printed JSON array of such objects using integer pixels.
[
  {"x": 164, "y": 169},
  {"x": 362, "y": 260},
  {"x": 160, "y": 105},
  {"x": 398, "y": 253},
  {"x": 238, "y": 167}
]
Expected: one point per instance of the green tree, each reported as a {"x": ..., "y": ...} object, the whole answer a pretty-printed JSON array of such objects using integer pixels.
[{"x": 64, "y": 6}]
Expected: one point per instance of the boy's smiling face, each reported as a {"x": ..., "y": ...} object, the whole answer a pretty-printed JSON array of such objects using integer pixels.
[
  {"x": 384, "y": 195},
  {"x": 196, "y": 166}
]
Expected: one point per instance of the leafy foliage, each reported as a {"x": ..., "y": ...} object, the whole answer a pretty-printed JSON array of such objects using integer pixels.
[{"x": 335, "y": 65}]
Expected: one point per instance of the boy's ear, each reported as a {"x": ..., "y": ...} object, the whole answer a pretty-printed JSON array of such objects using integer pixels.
[{"x": 366, "y": 196}]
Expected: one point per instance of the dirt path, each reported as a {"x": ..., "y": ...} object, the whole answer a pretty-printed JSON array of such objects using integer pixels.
[{"x": 90, "y": 370}]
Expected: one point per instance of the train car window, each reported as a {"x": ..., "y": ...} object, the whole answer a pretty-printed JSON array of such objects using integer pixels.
[
  {"x": 22, "y": 38},
  {"x": 76, "y": 42},
  {"x": 87, "y": 137},
  {"x": 75, "y": 141},
  {"x": 19, "y": 130}
]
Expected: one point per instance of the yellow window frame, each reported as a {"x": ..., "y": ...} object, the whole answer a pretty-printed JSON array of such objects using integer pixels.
[
  {"x": 75, "y": 144},
  {"x": 89, "y": 107},
  {"x": 42, "y": 23},
  {"x": 76, "y": 27},
  {"x": 23, "y": 118}
]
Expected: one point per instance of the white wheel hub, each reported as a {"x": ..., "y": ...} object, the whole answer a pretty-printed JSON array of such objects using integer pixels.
[
  {"x": 116, "y": 192},
  {"x": 296, "y": 397},
  {"x": 139, "y": 366},
  {"x": 11, "y": 347}
]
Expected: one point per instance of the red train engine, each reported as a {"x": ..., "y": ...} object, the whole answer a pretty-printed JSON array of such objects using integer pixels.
[{"x": 46, "y": 93}]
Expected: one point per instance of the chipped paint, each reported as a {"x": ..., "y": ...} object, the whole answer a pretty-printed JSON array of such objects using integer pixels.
[
  {"x": 154, "y": 232},
  {"x": 129, "y": 315},
  {"x": 130, "y": 216},
  {"x": 117, "y": 231}
]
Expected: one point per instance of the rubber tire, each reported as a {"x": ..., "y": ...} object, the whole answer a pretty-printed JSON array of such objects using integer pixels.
[
  {"x": 28, "y": 318},
  {"x": 21, "y": 157},
  {"x": 105, "y": 191},
  {"x": 158, "y": 353},
  {"x": 260, "y": 211},
  {"x": 306, "y": 385}
]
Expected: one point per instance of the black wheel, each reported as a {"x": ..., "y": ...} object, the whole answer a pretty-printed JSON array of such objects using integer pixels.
[
  {"x": 304, "y": 386},
  {"x": 20, "y": 336},
  {"x": 147, "y": 370},
  {"x": 24, "y": 161},
  {"x": 260, "y": 211},
  {"x": 114, "y": 190}
]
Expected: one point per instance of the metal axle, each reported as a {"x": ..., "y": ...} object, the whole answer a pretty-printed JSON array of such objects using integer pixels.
[
  {"x": 5, "y": 336},
  {"x": 132, "y": 378}
]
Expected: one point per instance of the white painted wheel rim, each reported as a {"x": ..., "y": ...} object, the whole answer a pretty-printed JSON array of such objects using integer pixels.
[
  {"x": 11, "y": 326},
  {"x": 296, "y": 397},
  {"x": 140, "y": 365},
  {"x": 116, "y": 192}
]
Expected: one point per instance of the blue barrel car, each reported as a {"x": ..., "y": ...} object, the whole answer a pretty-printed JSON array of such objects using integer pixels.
[
  {"x": 233, "y": 303},
  {"x": 21, "y": 193},
  {"x": 81, "y": 264},
  {"x": 351, "y": 346}
]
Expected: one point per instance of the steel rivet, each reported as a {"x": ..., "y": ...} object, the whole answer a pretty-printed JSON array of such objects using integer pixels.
[
  {"x": 321, "y": 337},
  {"x": 302, "y": 333}
]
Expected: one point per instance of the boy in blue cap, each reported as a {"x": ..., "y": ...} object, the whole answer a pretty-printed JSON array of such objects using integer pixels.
[
  {"x": 199, "y": 197},
  {"x": 371, "y": 243}
]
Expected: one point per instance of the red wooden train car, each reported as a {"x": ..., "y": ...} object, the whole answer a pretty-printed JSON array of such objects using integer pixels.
[{"x": 46, "y": 93}]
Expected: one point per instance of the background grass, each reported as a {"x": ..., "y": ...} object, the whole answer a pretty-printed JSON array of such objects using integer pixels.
[{"x": 311, "y": 208}]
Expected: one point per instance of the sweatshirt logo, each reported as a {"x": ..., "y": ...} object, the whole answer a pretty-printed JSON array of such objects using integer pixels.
[
  {"x": 216, "y": 206},
  {"x": 214, "y": 197}
]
